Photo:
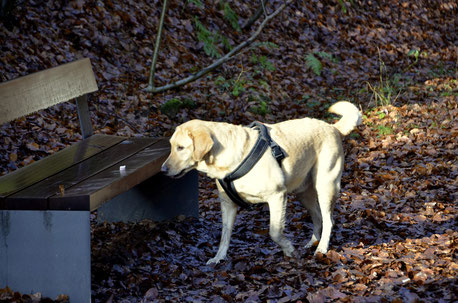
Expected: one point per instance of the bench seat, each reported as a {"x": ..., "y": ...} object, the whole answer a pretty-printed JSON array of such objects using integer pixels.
[{"x": 85, "y": 175}]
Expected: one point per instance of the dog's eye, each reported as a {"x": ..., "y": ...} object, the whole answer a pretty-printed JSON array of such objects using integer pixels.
[{"x": 180, "y": 148}]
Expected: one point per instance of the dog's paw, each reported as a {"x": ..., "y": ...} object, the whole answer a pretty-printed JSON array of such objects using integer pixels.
[
  {"x": 294, "y": 255},
  {"x": 320, "y": 251},
  {"x": 289, "y": 250},
  {"x": 312, "y": 243},
  {"x": 213, "y": 261}
]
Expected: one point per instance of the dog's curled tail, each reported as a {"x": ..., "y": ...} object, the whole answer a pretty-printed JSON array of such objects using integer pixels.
[{"x": 351, "y": 116}]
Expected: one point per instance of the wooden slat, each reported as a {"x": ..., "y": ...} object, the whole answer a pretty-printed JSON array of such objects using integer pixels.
[
  {"x": 36, "y": 196},
  {"x": 40, "y": 90},
  {"x": 94, "y": 191},
  {"x": 53, "y": 164}
]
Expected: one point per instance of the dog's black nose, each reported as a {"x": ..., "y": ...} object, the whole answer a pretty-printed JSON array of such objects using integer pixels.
[{"x": 164, "y": 168}]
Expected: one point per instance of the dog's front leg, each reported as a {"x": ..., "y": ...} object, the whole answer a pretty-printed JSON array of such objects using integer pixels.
[
  {"x": 277, "y": 207},
  {"x": 228, "y": 212}
]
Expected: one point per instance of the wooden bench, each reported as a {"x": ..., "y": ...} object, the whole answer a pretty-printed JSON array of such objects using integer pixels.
[{"x": 45, "y": 207}]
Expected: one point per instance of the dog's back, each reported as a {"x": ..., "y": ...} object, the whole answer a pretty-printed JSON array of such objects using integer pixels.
[{"x": 307, "y": 140}]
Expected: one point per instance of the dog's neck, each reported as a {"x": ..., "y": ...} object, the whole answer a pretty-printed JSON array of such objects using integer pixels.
[{"x": 232, "y": 143}]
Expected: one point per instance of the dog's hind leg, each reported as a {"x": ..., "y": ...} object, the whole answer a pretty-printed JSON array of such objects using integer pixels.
[
  {"x": 327, "y": 186},
  {"x": 277, "y": 208},
  {"x": 228, "y": 212},
  {"x": 308, "y": 198}
]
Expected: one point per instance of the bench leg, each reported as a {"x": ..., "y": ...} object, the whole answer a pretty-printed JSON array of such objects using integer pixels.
[
  {"x": 158, "y": 198},
  {"x": 47, "y": 252}
]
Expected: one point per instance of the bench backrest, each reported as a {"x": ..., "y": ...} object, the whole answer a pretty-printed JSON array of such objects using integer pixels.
[{"x": 28, "y": 94}]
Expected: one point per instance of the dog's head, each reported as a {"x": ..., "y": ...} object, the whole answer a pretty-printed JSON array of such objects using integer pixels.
[{"x": 190, "y": 143}]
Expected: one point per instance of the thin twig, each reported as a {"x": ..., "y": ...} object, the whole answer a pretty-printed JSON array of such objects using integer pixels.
[
  {"x": 240, "y": 75},
  {"x": 264, "y": 7},
  {"x": 223, "y": 59},
  {"x": 156, "y": 49},
  {"x": 255, "y": 16}
]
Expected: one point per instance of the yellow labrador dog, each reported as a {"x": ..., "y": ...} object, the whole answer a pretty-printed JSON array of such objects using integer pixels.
[{"x": 312, "y": 169}]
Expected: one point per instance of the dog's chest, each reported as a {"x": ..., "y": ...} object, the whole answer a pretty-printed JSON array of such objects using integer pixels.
[{"x": 260, "y": 183}]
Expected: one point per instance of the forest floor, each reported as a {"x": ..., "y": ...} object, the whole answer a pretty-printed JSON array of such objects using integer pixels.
[{"x": 395, "y": 233}]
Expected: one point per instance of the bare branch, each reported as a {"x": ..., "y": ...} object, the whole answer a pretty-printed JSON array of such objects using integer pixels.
[
  {"x": 223, "y": 59},
  {"x": 156, "y": 49},
  {"x": 263, "y": 4},
  {"x": 261, "y": 9}
]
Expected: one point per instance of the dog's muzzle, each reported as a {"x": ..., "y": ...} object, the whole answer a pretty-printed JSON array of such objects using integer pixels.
[{"x": 165, "y": 171}]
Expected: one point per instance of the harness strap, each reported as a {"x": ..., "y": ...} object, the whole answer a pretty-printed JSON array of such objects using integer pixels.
[
  {"x": 277, "y": 152},
  {"x": 262, "y": 143}
]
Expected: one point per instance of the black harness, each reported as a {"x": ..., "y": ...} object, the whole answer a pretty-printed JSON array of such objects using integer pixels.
[{"x": 261, "y": 145}]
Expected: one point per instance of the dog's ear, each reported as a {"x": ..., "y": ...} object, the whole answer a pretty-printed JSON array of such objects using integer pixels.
[{"x": 202, "y": 142}]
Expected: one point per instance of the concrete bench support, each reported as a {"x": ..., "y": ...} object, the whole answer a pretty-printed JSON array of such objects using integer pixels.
[
  {"x": 158, "y": 198},
  {"x": 49, "y": 251}
]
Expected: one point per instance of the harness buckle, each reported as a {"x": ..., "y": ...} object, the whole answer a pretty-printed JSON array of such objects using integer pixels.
[{"x": 277, "y": 153}]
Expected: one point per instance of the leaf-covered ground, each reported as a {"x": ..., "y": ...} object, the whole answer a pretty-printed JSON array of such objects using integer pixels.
[{"x": 395, "y": 236}]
